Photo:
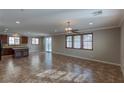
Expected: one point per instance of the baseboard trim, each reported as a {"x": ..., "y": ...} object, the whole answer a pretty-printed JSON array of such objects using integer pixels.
[
  {"x": 106, "y": 62},
  {"x": 31, "y": 52}
]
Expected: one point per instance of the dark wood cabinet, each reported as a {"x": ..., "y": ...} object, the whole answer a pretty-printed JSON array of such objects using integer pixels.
[
  {"x": 7, "y": 51},
  {"x": 24, "y": 40},
  {"x": 0, "y": 49},
  {"x": 16, "y": 52},
  {"x": 4, "y": 39}
]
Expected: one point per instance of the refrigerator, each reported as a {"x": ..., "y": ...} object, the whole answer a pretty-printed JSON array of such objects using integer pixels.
[{"x": 0, "y": 49}]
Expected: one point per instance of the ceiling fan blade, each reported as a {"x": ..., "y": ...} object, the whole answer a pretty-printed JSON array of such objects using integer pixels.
[
  {"x": 75, "y": 29},
  {"x": 73, "y": 32}
]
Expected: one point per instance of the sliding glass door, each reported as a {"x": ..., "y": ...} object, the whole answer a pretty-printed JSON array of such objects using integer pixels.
[{"x": 48, "y": 44}]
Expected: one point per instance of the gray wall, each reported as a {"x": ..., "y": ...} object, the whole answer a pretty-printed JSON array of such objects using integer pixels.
[
  {"x": 35, "y": 48},
  {"x": 122, "y": 48},
  {"x": 106, "y": 46}
]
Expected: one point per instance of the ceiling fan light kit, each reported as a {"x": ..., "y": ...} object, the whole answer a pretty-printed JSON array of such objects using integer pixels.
[{"x": 69, "y": 30}]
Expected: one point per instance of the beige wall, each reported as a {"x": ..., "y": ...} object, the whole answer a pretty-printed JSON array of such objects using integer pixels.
[
  {"x": 122, "y": 48},
  {"x": 106, "y": 46}
]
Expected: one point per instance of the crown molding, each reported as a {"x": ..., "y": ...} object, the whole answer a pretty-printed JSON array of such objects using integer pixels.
[
  {"x": 96, "y": 29},
  {"x": 90, "y": 30}
]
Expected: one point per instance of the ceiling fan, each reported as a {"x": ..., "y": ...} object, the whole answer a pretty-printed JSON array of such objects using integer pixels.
[{"x": 69, "y": 30}]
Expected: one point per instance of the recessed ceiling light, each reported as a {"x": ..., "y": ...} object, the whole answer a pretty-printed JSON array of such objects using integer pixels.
[
  {"x": 90, "y": 23},
  {"x": 17, "y": 22}
]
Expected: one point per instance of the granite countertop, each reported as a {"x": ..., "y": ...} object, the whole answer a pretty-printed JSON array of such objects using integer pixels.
[
  {"x": 16, "y": 47},
  {"x": 20, "y": 48}
]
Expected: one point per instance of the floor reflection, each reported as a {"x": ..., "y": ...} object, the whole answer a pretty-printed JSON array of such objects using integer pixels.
[
  {"x": 11, "y": 71},
  {"x": 35, "y": 63},
  {"x": 48, "y": 60}
]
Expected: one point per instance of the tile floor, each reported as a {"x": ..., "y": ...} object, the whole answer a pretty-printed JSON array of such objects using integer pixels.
[{"x": 54, "y": 68}]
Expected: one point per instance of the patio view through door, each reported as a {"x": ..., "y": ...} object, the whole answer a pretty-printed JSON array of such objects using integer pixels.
[{"x": 48, "y": 44}]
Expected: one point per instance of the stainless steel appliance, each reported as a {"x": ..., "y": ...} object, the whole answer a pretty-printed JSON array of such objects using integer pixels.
[{"x": 0, "y": 49}]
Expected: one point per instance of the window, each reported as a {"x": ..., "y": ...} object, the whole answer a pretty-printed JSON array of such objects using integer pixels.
[
  {"x": 14, "y": 40},
  {"x": 87, "y": 41},
  {"x": 35, "y": 41},
  {"x": 84, "y": 41},
  {"x": 69, "y": 41},
  {"x": 77, "y": 41}
]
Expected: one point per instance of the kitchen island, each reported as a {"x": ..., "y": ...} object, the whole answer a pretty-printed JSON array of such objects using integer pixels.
[{"x": 20, "y": 52}]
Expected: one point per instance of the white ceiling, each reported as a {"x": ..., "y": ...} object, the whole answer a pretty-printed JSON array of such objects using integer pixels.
[{"x": 52, "y": 21}]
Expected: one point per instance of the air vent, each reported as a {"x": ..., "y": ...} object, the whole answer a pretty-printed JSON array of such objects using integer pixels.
[{"x": 96, "y": 13}]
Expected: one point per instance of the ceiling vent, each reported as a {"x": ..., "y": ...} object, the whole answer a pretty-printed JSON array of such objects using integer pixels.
[{"x": 97, "y": 13}]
